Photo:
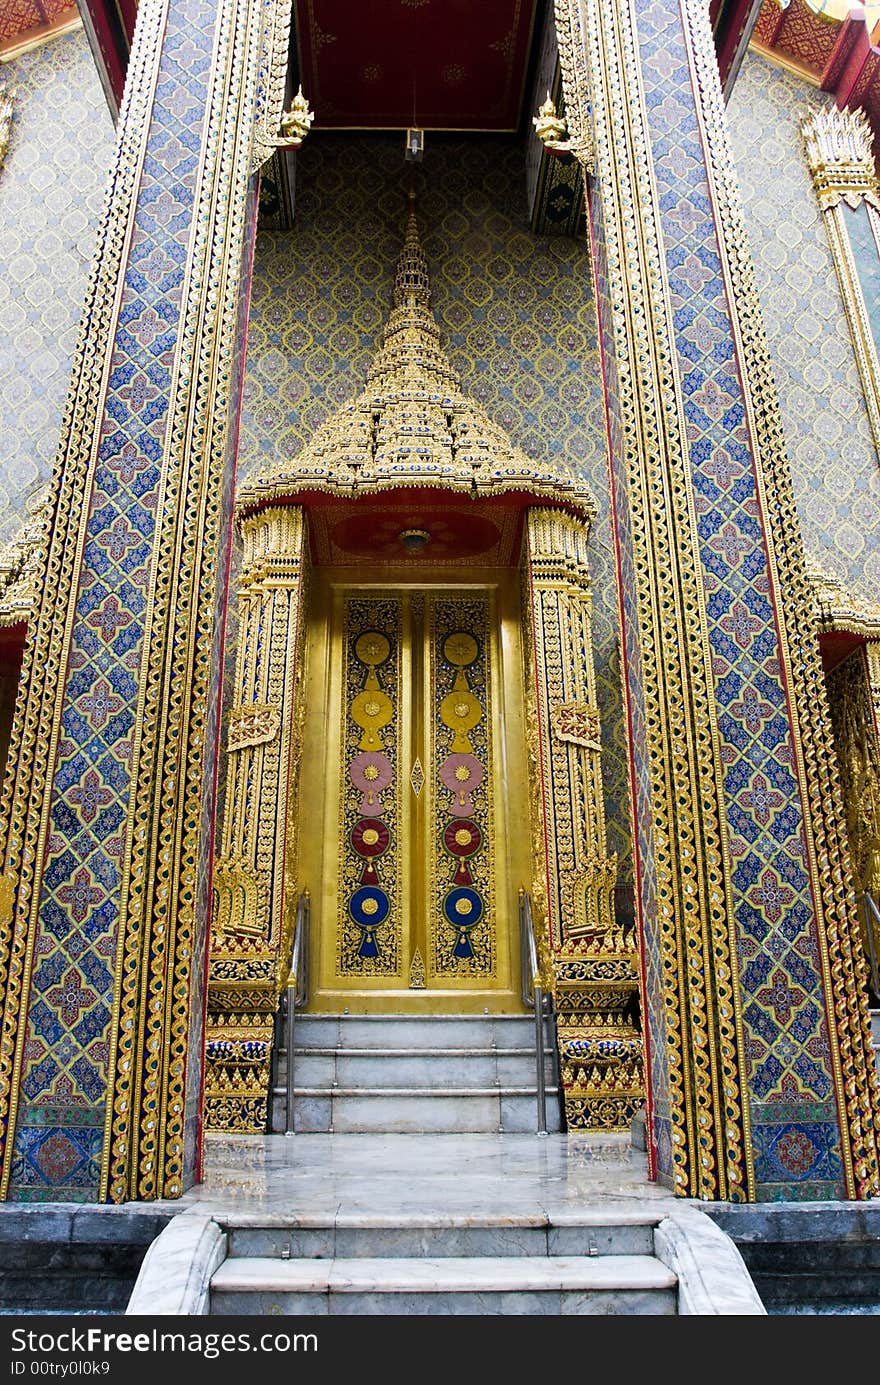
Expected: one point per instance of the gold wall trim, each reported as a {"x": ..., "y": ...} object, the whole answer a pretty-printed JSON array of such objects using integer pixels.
[
  {"x": 256, "y": 870},
  {"x": 858, "y": 753},
  {"x": 272, "y": 84},
  {"x": 8, "y": 95},
  {"x": 159, "y": 907},
  {"x": 588, "y": 958}
]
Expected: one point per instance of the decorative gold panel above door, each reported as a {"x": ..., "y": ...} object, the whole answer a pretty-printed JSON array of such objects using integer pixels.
[{"x": 413, "y": 812}]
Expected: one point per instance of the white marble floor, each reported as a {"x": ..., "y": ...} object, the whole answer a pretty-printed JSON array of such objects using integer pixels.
[{"x": 408, "y": 1175}]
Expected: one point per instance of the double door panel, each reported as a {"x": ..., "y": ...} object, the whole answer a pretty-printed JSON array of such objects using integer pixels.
[{"x": 414, "y": 768}]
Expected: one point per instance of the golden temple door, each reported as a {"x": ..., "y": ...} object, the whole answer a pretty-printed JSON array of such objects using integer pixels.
[{"x": 413, "y": 812}]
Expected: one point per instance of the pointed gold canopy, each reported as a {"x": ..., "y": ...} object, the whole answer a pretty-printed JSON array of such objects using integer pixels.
[{"x": 412, "y": 426}]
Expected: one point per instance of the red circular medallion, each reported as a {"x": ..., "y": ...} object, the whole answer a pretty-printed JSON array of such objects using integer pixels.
[
  {"x": 462, "y": 838},
  {"x": 370, "y": 837}
]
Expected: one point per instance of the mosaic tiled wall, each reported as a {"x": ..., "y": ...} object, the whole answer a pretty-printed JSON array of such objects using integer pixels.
[
  {"x": 51, "y": 190},
  {"x": 835, "y": 466},
  {"x": 515, "y": 319}
]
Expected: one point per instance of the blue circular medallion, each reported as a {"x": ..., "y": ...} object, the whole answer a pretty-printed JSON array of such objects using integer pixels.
[
  {"x": 463, "y": 907},
  {"x": 369, "y": 907}
]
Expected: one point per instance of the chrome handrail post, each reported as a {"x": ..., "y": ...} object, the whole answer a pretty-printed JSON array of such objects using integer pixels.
[
  {"x": 533, "y": 995},
  {"x": 871, "y": 908},
  {"x": 539, "y": 1051},
  {"x": 291, "y": 1008},
  {"x": 297, "y": 994}
]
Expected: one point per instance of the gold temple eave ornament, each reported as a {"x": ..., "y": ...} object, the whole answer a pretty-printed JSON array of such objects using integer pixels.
[
  {"x": 296, "y": 122},
  {"x": 21, "y": 565},
  {"x": 552, "y": 131},
  {"x": 840, "y": 610},
  {"x": 840, "y": 154}
]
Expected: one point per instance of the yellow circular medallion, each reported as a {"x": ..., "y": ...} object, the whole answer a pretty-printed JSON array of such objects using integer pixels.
[
  {"x": 369, "y": 906},
  {"x": 369, "y": 836},
  {"x": 372, "y": 648},
  {"x": 460, "y": 648},
  {"x": 463, "y": 906}
]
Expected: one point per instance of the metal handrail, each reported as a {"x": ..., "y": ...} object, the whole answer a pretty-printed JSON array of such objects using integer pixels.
[
  {"x": 297, "y": 994},
  {"x": 533, "y": 996},
  {"x": 871, "y": 908}
]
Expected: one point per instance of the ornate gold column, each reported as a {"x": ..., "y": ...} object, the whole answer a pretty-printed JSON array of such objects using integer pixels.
[
  {"x": 108, "y": 803},
  {"x": 840, "y": 154},
  {"x": 254, "y": 885},
  {"x": 762, "y": 1083},
  {"x": 591, "y": 962},
  {"x": 854, "y": 697}
]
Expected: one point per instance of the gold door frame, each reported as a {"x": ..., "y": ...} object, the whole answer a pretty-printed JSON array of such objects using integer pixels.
[{"x": 549, "y": 743}]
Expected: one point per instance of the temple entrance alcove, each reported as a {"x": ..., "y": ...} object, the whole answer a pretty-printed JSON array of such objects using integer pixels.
[{"x": 414, "y": 737}]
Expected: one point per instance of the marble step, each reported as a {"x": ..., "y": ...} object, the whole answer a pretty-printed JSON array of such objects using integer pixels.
[
  {"x": 415, "y": 1111},
  {"x": 413, "y": 1033},
  {"x": 507, "y": 1285},
  {"x": 596, "y": 1231},
  {"x": 430, "y": 1068}
]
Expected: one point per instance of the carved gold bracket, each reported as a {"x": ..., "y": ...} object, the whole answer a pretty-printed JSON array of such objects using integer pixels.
[
  {"x": 591, "y": 964},
  {"x": 254, "y": 875}
]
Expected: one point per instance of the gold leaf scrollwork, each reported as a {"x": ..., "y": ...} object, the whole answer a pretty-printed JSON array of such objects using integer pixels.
[
  {"x": 7, "y": 900},
  {"x": 577, "y": 723},
  {"x": 240, "y": 898},
  {"x": 417, "y": 979},
  {"x": 252, "y": 725}
]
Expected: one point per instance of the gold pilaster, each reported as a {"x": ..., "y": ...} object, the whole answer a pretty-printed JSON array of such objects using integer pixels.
[
  {"x": 254, "y": 875},
  {"x": 854, "y": 704},
  {"x": 690, "y": 901},
  {"x": 592, "y": 963},
  {"x": 840, "y": 155}
]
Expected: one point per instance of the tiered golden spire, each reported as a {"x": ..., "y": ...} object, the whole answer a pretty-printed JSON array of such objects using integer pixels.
[{"x": 412, "y": 426}]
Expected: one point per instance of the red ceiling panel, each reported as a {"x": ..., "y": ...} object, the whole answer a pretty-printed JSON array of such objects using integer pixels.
[
  {"x": 21, "y": 19},
  {"x": 437, "y": 64}
]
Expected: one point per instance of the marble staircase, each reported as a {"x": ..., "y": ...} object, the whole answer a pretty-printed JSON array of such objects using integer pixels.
[
  {"x": 472, "y": 1224},
  {"x": 405, "y": 1074},
  {"x": 597, "y": 1263}
]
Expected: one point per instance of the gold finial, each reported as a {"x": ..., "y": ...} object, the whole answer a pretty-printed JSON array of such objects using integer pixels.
[
  {"x": 411, "y": 283},
  {"x": 296, "y": 123}
]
